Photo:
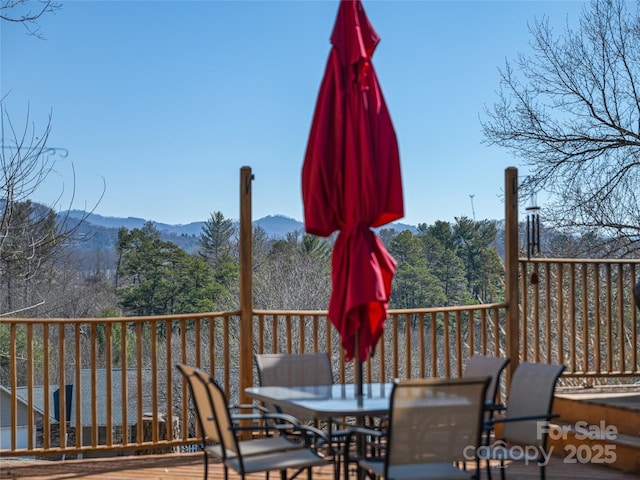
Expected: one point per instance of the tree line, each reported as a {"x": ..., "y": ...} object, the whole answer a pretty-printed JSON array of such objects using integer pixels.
[{"x": 442, "y": 264}]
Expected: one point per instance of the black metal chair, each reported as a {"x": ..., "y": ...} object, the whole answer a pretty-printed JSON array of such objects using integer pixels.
[
  {"x": 275, "y": 438},
  {"x": 487, "y": 366},
  {"x": 279, "y": 369},
  {"x": 526, "y": 417},
  {"x": 240, "y": 455},
  {"x": 434, "y": 429}
]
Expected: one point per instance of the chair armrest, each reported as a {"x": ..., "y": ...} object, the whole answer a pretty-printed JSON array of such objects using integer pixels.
[
  {"x": 368, "y": 443},
  {"x": 543, "y": 416},
  {"x": 494, "y": 407},
  {"x": 280, "y": 417},
  {"x": 248, "y": 406},
  {"x": 313, "y": 435},
  {"x": 357, "y": 430}
]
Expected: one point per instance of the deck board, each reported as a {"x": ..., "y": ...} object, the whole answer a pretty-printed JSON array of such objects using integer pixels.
[{"x": 190, "y": 466}]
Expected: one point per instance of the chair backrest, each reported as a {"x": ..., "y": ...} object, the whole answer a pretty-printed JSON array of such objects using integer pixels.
[
  {"x": 531, "y": 393},
  {"x": 294, "y": 369},
  {"x": 278, "y": 369},
  {"x": 435, "y": 420},
  {"x": 219, "y": 403},
  {"x": 204, "y": 409},
  {"x": 485, "y": 365}
]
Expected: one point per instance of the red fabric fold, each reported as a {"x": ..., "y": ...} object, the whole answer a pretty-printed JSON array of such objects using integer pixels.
[{"x": 351, "y": 181}]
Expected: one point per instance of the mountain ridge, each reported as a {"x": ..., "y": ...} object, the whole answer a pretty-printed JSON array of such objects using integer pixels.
[{"x": 276, "y": 225}]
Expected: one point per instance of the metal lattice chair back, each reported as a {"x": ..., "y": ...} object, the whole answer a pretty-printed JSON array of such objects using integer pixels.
[
  {"x": 434, "y": 421},
  {"x": 530, "y": 394},
  {"x": 277, "y": 369},
  {"x": 486, "y": 365},
  {"x": 204, "y": 410},
  {"x": 223, "y": 420}
]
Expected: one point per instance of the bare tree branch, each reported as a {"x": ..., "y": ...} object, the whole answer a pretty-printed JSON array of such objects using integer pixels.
[
  {"x": 571, "y": 112},
  {"x": 27, "y": 12}
]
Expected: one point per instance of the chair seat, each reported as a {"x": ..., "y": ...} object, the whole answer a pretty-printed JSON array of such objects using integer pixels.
[
  {"x": 296, "y": 459},
  {"x": 258, "y": 446},
  {"x": 417, "y": 471}
]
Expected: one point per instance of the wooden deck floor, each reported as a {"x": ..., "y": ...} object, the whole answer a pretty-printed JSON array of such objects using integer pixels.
[{"x": 189, "y": 466}]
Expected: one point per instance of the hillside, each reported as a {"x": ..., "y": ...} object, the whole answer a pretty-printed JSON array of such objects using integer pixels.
[{"x": 98, "y": 231}]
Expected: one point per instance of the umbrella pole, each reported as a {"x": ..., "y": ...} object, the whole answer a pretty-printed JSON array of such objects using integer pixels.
[{"x": 358, "y": 372}]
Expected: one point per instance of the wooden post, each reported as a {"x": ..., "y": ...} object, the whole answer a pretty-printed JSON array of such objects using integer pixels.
[
  {"x": 511, "y": 254},
  {"x": 246, "y": 284}
]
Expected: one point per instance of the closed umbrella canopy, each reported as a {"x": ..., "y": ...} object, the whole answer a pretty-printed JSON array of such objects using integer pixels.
[{"x": 351, "y": 181}]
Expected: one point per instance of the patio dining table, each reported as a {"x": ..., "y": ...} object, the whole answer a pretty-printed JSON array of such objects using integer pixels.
[{"x": 327, "y": 402}]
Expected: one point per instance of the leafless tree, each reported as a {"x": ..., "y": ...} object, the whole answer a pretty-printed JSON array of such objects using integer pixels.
[
  {"x": 27, "y": 12},
  {"x": 30, "y": 234},
  {"x": 571, "y": 112}
]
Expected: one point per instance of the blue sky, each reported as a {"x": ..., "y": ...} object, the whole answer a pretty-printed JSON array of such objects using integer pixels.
[{"x": 166, "y": 100}]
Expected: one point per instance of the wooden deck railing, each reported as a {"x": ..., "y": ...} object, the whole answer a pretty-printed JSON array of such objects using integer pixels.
[
  {"x": 122, "y": 370},
  {"x": 580, "y": 312}
]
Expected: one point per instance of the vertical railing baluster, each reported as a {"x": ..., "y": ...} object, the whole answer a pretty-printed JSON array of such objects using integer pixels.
[
  {"x": 227, "y": 353},
  {"x": 13, "y": 372},
  {"x": 447, "y": 346},
  {"x": 260, "y": 319},
  {"x": 524, "y": 299},
  {"x": 154, "y": 380},
  {"x": 78, "y": 391},
  {"x": 585, "y": 318},
  {"x": 421, "y": 345},
  {"x": 483, "y": 332},
  {"x": 382, "y": 359},
  {"x": 315, "y": 322},
  {"x": 609, "y": 319},
  {"x": 548, "y": 311},
  {"x": 458, "y": 343},
  {"x": 434, "y": 344},
  {"x": 185, "y": 399},
  {"x": 572, "y": 317},
  {"x": 275, "y": 334},
  {"x": 596, "y": 318},
  {"x": 634, "y": 318},
  {"x": 496, "y": 332},
  {"x": 407, "y": 344},
  {"x": 198, "y": 343},
  {"x": 211, "y": 324},
  {"x": 169, "y": 378},
  {"x": 289, "y": 333},
  {"x": 560, "y": 303},
  {"x": 124, "y": 400},
  {"x": 621, "y": 329},
  {"x": 139, "y": 347},
  {"x": 396, "y": 336},
  {"x": 472, "y": 332},
  {"x": 108, "y": 362},
  {"x": 30, "y": 382},
  {"x": 61, "y": 388},
  {"x": 536, "y": 314}
]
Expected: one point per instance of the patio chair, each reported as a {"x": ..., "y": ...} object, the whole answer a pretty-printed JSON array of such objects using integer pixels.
[
  {"x": 280, "y": 369},
  {"x": 211, "y": 439},
  {"x": 483, "y": 366},
  {"x": 242, "y": 457},
  {"x": 277, "y": 369},
  {"x": 434, "y": 428},
  {"x": 527, "y": 412}
]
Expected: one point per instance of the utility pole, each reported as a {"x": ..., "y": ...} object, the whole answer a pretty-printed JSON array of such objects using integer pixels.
[{"x": 473, "y": 210}]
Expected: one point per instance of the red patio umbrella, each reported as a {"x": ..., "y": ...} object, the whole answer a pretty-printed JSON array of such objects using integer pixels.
[{"x": 351, "y": 182}]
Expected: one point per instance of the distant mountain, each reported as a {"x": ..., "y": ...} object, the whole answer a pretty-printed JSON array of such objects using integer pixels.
[
  {"x": 130, "y": 223},
  {"x": 276, "y": 226}
]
